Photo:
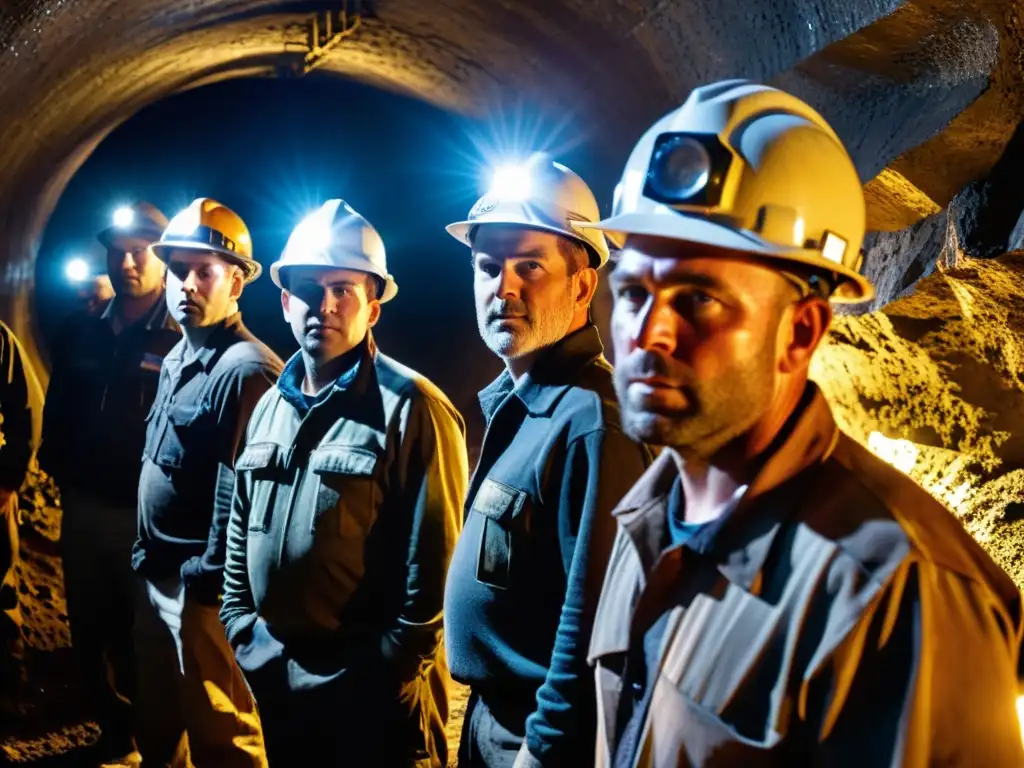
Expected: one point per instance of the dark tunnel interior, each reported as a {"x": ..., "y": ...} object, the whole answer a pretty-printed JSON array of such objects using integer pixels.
[{"x": 401, "y": 106}]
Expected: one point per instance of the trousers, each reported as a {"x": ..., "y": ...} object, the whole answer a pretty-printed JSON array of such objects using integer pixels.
[
  {"x": 194, "y": 708},
  {"x": 99, "y": 585},
  {"x": 486, "y": 743}
]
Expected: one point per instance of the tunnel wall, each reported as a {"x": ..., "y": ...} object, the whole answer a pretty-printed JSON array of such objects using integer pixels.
[
  {"x": 925, "y": 94},
  {"x": 72, "y": 70},
  {"x": 934, "y": 384}
]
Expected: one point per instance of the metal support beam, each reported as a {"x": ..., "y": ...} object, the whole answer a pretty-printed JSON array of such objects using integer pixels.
[{"x": 327, "y": 30}]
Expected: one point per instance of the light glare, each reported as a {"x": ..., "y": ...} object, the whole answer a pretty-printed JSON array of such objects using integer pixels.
[
  {"x": 511, "y": 182},
  {"x": 77, "y": 269},
  {"x": 124, "y": 217},
  {"x": 312, "y": 235},
  {"x": 184, "y": 223}
]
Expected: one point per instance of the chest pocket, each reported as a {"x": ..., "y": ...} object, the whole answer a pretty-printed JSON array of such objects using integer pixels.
[
  {"x": 185, "y": 434},
  {"x": 257, "y": 467},
  {"x": 500, "y": 505},
  {"x": 345, "y": 490}
]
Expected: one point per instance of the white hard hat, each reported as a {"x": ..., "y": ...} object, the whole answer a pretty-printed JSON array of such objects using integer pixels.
[
  {"x": 748, "y": 168},
  {"x": 336, "y": 237},
  {"x": 538, "y": 194}
]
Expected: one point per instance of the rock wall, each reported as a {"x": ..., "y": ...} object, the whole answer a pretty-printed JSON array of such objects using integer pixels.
[{"x": 934, "y": 384}]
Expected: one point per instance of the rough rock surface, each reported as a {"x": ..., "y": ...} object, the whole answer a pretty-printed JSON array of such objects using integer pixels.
[{"x": 934, "y": 384}]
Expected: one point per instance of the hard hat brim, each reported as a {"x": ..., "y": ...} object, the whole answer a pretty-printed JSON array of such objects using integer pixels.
[
  {"x": 386, "y": 295},
  {"x": 110, "y": 234},
  {"x": 251, "y": 267},
  {"x": 853, "y": 288},
  {"x": 460, "y": 231}
]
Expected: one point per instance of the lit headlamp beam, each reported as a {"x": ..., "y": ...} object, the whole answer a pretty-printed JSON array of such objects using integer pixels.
[{"x": 77, "y": 270}]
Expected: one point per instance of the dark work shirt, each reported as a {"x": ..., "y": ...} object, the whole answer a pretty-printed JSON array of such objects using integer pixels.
[
  {"x": 643, "y": 668},
  {"x": 101, "y": 387},
  {"x": 194, "y": 435},
  {"x": 525, "y": 577}
]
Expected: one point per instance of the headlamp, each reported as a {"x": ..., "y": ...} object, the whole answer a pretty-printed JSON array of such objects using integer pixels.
[
  {"x": 687, "y": 169},
  {"x": 124, "y": 217},
  {"x": 77, "y": 270}
]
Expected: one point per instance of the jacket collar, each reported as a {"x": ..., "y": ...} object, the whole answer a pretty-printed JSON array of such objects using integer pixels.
[
  {"x": 157, "y": 316},
  {"x": 357, "y": 398},
  {"x": 551, "y": 376},
  {"x": 742, "y": 539},
  {"x": 290, "y": 381},
  {"x": 227, "y": 333}
]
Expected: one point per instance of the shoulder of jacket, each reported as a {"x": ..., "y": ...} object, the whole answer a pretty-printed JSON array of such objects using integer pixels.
[
  {"x": 402, "y": 382},
  {"x": 246, "y": 357},
  {"x": 264, "y": 409},
  {"x": 590, "y": 404},
  {"x": 884, "y": 513}
]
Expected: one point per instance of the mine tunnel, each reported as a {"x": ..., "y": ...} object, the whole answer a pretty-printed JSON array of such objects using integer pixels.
[{"x": 926, "y": 96}]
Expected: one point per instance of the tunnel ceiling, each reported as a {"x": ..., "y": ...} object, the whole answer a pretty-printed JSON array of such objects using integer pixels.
[{"x": 923, "y": 93}]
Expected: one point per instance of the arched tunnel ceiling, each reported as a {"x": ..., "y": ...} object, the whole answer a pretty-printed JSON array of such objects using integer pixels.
[{"x": 922, "y": 92}]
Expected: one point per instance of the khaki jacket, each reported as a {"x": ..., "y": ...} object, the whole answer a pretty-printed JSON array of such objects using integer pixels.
[{"x": 838, "y": 616}]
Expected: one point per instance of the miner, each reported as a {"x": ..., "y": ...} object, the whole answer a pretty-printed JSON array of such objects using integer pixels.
[
  {"x": 190, "y": 693},
  {"x": 776, "y": 595},
  {"x": 524, "y": 580},
  {"x": 345, "y": 515},
  {"x": 21, "y": 413},
  {"x": 105, "y": 369}
]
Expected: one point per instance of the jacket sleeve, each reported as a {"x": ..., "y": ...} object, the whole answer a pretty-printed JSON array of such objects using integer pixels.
[
  {"x": 237, "y": 612},
  {"x": 432, "y": 467},
  {"x": 930, "y": 672},
  {"x": 16, "y": 447},
  {"x": 235, "y": 399},
  {"x": 600, "y": 467}
]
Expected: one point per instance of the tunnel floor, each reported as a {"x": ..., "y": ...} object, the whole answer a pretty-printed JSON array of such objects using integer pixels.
[{"x": 53, "y": 727}]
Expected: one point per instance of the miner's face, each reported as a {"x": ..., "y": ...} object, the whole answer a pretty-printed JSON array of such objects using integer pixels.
[
  {"x": 133, "y": 268},
  {"x": 202, "y": 287},
  {"x": 699, "y": 337},
  {"x": 527, "y": 292},
  {"x": 330, "y": 311}
]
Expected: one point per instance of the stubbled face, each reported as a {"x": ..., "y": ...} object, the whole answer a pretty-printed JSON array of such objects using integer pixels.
[
  {"x": 696, "y": 338},
  {"x": 330, "y": 311},
  {"x": 133, "y": 268},
  {"x": 525, "y": 296},
  {"x": 202, "y": 287}
]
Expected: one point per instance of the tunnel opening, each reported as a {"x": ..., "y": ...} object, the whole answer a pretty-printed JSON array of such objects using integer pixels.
[{"x": 930, "y": 380}]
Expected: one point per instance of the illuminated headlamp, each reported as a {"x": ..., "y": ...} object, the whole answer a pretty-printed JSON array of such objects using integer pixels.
[
  {"x": 124, "y": 217},
  {"x": 208, "y": 236},
  {"x": 687, "y": 169}
]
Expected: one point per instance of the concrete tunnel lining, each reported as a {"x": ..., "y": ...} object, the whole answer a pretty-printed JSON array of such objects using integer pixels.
[{"x": 71, "y": 72}]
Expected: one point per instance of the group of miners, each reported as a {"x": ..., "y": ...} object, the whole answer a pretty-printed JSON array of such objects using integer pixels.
[{"x": 680, "y": 561}]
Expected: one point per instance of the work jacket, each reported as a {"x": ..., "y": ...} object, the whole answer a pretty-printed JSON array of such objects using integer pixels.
[
  {"x": 526, "y": 574},
  {"x": 101, "y": 387},
  {"x": 838, "y": 616},
  {"x": 341, "y": 530}
]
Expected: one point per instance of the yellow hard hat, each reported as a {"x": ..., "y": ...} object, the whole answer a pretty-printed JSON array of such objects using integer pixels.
[
  {"x": 207, "y": 225},
  {"x": 747, "y": 168},
  {"x": 538, "y": 194},
  {"x": 336, "y": 237}
]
